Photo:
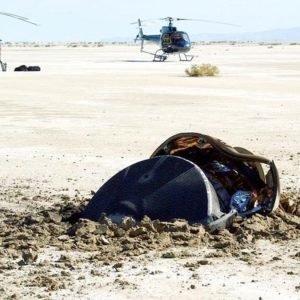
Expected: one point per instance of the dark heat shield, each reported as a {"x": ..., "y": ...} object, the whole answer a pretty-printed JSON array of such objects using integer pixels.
[{"x": 163, "y": 187}]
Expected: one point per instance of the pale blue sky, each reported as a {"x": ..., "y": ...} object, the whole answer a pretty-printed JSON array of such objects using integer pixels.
[{"x": 94, "y": 20}]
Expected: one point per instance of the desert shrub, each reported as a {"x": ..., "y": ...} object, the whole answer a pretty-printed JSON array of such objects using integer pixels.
[{"x": 202, "y": 70}]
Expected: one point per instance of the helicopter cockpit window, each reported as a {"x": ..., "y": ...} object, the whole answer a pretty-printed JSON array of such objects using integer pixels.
[
  {"x": 177, "y": 39},
  {"x": 166, "y": 39},
  {"x": 180, "y": 39},
  {"x": 185, "y": 37}
]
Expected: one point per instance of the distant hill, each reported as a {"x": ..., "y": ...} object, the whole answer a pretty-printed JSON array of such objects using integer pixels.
[{"x": 277, "y": 35}]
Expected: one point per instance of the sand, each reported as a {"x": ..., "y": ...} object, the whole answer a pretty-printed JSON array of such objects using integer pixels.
[{"x": 91, "y": 112}]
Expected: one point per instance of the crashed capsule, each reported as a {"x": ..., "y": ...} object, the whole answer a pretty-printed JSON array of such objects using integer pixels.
[{"x": 194, "y": 177}]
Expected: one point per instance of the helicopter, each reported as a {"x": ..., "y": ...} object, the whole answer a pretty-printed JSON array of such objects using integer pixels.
[
  {"x": 24, "y": 19},
  {"x": 171, "y": 40}
]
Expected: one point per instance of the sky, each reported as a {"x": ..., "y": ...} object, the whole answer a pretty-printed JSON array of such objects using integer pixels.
[{"x": 99, "y": 20}]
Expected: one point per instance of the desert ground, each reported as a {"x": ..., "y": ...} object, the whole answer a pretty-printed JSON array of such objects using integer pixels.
[{"x": 89, "y": 113}]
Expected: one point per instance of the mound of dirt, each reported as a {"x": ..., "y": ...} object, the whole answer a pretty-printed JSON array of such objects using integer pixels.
[
  {"x": 47, "y": 250},
  {"x": 23, "y": 235}
]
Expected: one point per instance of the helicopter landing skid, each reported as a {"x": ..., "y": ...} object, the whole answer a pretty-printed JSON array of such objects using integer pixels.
[
  {"x": 159, "y": 57},
  {"x": 185, "y": 57},
  {"x": 156, "y": 56},
  {"x": 3, "y": 66}
]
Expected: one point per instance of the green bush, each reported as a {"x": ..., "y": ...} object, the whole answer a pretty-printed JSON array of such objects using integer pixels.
[{"x": 202, "y": 70}]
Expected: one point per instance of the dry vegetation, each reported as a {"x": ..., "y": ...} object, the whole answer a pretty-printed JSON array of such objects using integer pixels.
[{"x": 202, "y": 70}]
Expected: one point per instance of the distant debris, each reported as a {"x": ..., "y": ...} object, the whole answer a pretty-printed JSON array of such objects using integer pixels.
[{"x": 24, "y": 68}]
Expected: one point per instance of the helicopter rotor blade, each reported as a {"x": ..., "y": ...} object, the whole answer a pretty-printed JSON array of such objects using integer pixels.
[
  {"x": 207, "y": 21},
  {"x": 171, "y": 19},
  {"x": 24, "y": 19},
  {"x": 12, "y": 15},
  {"x": 167, "y": 18},
  {"x": 147, "y": 22}
]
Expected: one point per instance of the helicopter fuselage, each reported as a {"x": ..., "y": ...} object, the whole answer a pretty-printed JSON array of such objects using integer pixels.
[{"x": 171, "y": 41}]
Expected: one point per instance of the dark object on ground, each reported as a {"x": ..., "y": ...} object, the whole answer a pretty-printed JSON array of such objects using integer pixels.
[
  {"x": 24, "y": 68},
  {"x": 191, "y": 176},
  {"x": 34, "y": 68},
  {"x": 21, "y": 68}
]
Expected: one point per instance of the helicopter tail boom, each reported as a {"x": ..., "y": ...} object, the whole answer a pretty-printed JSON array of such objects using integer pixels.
[{"x": 143, "y": 37}]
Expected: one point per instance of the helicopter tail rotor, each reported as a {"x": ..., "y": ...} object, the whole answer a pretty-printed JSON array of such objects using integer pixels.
[{"x": 140, "y": 35}]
